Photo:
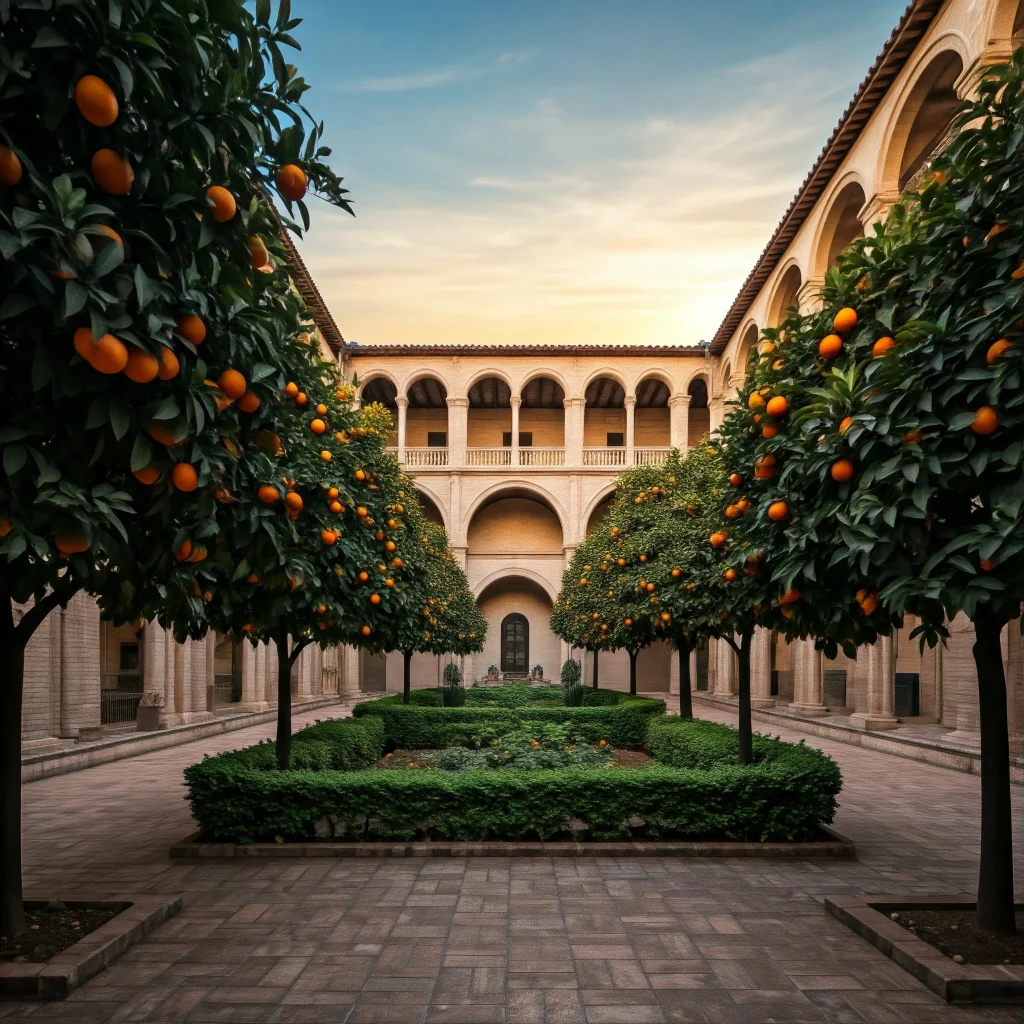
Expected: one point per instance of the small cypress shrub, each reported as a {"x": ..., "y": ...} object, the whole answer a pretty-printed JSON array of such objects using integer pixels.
[
  {"x": 453, "y": 694},
  {"x": 572, "y": 688}
]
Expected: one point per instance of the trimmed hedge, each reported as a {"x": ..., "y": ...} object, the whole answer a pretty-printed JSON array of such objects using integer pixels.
[
  {"x": 619, "y": 718},
  {"x": 784, "y": 796}
]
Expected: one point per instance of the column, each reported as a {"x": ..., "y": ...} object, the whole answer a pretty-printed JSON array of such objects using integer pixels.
[
  {"x": 211, "y": 668},
  {"x": 252, "y": 682},
  {"x": 574, "y": 412},
  {"x": 458, "y": 416},
  {"x": 716, "y": 413},
  {"x": 678, "y": 420},
  {"x": 761, "y": 669},
  {"x": 182, "y": 680},
  {"x": 725, "y": 676},
  {"x": 808, "y": 296},
  {"x": 807, "y": 679},
  {"x": 881, "y": 687},
  {"x": 876, "y": 209},
  {"x": 403, "y": 407},
  {"x": 960, "y": 684},
  {"x": 1015, "y": 686},
  {"x": 349, "y": 683},
  {"x": 198, "y": 665},
  {"x": 68, "y": 729},
  {"x": 514, "y": 456},
  {"x": 630, "y": 404}
]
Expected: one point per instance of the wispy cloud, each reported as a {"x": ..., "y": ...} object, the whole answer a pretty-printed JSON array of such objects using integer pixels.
[{"x": 417, "y": 80}]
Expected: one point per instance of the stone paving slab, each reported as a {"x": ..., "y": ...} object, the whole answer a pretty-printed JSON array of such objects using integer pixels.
[{"x": 515, "y": 941}]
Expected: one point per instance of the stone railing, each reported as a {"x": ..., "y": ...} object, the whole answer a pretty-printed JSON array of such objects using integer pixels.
[
  {"x": 541, "y": 456},
  {"x": 604, "y": 456},
  {"x": 650, "y": 456},
  {"x": 488, "y": 456},
  {"x": 426, "y": 456}
]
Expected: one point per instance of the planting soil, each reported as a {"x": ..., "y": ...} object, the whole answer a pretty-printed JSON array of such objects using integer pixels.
[
  {"x": 954, "y": 933},
  {"x": 52, "y": 927}
]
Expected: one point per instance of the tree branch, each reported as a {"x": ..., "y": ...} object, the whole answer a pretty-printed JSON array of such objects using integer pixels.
[
  {"x": 299, "y": 647},
  {"x": 33, "y": 618},
  {"x": 732, "y": 643}
]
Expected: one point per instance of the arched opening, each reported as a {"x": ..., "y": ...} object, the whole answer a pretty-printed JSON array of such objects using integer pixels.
[
  {"x": 519, "y": 637},
  {"x": 515, "y": 644},
  {"x": 784, "y": 300},
  {"x": 651, "y": 426},
  {"x": 747, "y": 345},
  {"x": 426, "y": 422},
  {"x": 121, "y": 681},
  {"x": 604, "y": 423},
  {"x": 431, "y": 512},
  {"x": 542, "y": 423},
  {"x": 514, "y": 522},
  {"x": 924, "y": 121},
  {"x": 698, "y": 417},
  {"x": 841, "y": 226},
  {"x": 380, "y": 391},
  {"x": 600, "y": 511},
  {"x": 489, "y": 423}
]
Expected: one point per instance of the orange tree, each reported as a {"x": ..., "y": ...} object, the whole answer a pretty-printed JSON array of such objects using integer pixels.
[
  {"x": 899, "y": 454},
  {"x": 575, "y": 615},
  {"x": 138, "y": 143}
]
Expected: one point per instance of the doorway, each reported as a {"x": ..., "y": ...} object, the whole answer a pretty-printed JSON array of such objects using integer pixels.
[{"x": 515, "y": 644}]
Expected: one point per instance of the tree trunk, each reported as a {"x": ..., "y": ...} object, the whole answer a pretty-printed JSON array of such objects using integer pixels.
[
  {"x": 406, "y": 676},
  {"x": 632, "y": 671},
  {"x": 685, "y": 700},
  {"x": 12, "y": 677},
  {"x": 745, "y": 728},
  {"x": 284, "y": 701},
  {"x": 995, "y": 878},
  {"x": 596, "y": 653}
]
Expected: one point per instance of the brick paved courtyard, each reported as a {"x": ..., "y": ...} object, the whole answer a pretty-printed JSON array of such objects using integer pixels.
[{"x": 518, "y": 941}]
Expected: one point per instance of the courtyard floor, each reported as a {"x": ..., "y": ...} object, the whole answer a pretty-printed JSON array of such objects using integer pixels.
[{"x": 477, "y": 941}]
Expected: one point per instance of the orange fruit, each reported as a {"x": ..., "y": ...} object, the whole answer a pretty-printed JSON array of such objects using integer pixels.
[
  {"x": 366, "y": 631},
  {"x": 71, "y": 543},
  {"x": 845, "y": 320},
  {"x": 375, "y": 599},
  {"x": 221, "y": 203},
  {"x": 109, "y": 355},
  {"x": 301, "y": 399},
  {"x": 112, "y": 172},
  {"x": 731, "y": 512},
  {"x": 10, "y": 167},
  {"x": 830, "y": 346},
  {"x": 882, "y": 346},
  {"x": 845, "y": 423},
  {"x": 161, "y": 434},
  {"x": 321, "y": 410},
  {"x": 185, "y": 477},
  {"x": 730, "y": 574},
  {"x": 997, "y": 349},
  {"x": 184, "y": 551},
  {"x": 293, "y": 501},
  {"x": 268, "y": 494},
  {"x": 318, "y": 426},
  {"x": 325, "y": 455},
  {"x": 336, "y": 507},
  {"x": 777, "y": 406},
  {"x": 96, "y": 101},
  {"x": 169, "y": 365},
  {"x": 114, "y": 236},
  {"x": 252, "y": 578},
  {"x": 360, "y": 475},
  {"x": 5, "y": 526},
  {"x": 141, "y": 367},
  {"x": 82, "y": 340},
  {"x": 736, "y": 479},
  {"x": 291, "y": 182},
  {"x": 842, "y": 470},
  {"x": 258, "y": 255},
  {"x": 791, "y": 596},
  {"x": 148, "y": 475},
  {"x": 743, "y": 505},
  {"x": 192, "y": 328},
  {"x": 328, "y": 536},
  {"x": 676, "y": 573},
  {"x": 198, "y": 555},
  {"x": 778, "y": 511},
  {"x": 223, "y": 495},
  {"x": 389, "y": 546},
  {"x": 1016, "y": 275},
  {"x": 755, "y": 401},
  {"x": 913, "y": 437},
  {"x": 268, "y": 440},
  {"x": 232, "y": 383},
  {"x": 364, "y": 576},
  {"x": 986, "y": 420},
  {"x": 868, "y": 601},
  {"x": 986, "y": 565},
  {"x": 332, "y": 492},
  {"x": 397, "y": 563},
  {"x": 249, "y": 402},
  {"x": 718, "y": 538},
  {"x": 769, "y": 430},
  {"x": 291, "y": 389}
]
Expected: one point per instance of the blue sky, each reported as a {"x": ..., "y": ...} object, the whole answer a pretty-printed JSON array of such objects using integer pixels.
[{"x": 566, "y": 171}]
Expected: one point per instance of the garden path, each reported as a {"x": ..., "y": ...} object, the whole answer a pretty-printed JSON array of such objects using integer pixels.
[{"x": 526, "y": 941}]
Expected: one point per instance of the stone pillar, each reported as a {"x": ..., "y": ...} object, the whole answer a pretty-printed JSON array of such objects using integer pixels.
[
  {"x": 960, "y": 684},
  {"x": 67, "y": 728},
  {"x": 761, "y": 669},
  {"x": 725, "y": 675},
  {"x": 881, "y": 687},
  {"x": 154, "y": 668},
  {"x": 199, "y": 664},
  {"x": 716, "y": 413},
  {"x": 807, "y": 679},
  {"x": 574, "y": 413},
  {"x": 808, "y": 296},
  {"x": 1015, "y": 686},
  {"x": 182, "y": 681},
  {"x": 253, "y": 689},
  {"x": 630, "y": 403},
  {"x": 403, "y": 406},
  {"x": 514, "y": 403},
  {"x": 211, "y": 669},
  {"x": 876, "y": 209},
  {"x": 458, "y": 421},
  {"x": 678, "y": 421}
]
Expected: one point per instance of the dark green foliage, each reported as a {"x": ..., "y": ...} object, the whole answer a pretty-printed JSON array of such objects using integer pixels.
[
  {"x": 408, "y": 727},
  {"x": 513, "y": 696},
  {"x": 529, "y": 748},
  {"x": 782, "y": 797}
]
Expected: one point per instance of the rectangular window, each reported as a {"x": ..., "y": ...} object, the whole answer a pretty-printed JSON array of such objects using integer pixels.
[
  {"x": 525, "y": 439},
  {"x": 437, "y": 439},
  {"x": 615, "y": 440},
  {"x": 129, "y": 658}
]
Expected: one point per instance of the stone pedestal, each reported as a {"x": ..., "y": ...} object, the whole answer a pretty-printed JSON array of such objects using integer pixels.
[
  {"x": 761, "y": 669},
  {"x": 881, "y": 687},
  {"x": 807, "y": 680}
]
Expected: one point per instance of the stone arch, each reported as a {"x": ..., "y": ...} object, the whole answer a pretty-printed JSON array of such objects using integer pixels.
[
  {"x": 608, "y": 372},
  {"x": 747, "y": 344},
  {"x": 379, "y": 381},
  {"x": 490, "y": 372},
  {"x": 726, "y": 376},
  {"x": 784, "y": 295},
  {"x": 656, "y": 373},
  {"x": 599, "y": 499},
  {"x": 1006, "y": 24},
  {"x": 840, "y": 225},
  {"x": 513, "y": 573},
  {"x": 426, "y": 375},
  {"x": 543, "y": 371},
  {"x": 517, "y": 489},
  {"x": 431, "y": 495},
  {"x": 926, "y": 105}
]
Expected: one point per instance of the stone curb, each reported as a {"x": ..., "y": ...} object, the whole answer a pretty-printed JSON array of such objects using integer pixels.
[
  {"x": 68, "y": 970},
  {"x": 913, "y": 748},
  {"x": 956, "y": 983},
  {"x": 116, "y": 748},
  {"x": 836, "y": 846}
]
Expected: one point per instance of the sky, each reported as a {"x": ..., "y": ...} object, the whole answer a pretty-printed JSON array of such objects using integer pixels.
[{"x": 568, "y": 171}]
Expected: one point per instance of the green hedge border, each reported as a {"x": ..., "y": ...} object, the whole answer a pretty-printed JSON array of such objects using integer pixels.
[
  {"x": 620, "y": 718},
  {"x": 784, "y": 796}
]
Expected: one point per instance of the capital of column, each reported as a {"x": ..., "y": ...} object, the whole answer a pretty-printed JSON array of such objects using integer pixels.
[
  {"x": 458, "y": 403},
  {"x": 629, "y": 401},
  {"x": 514, "y": 401},
  {"x": 808, "y": 295},
  {"x": 573, "y": 403},
  {"x": 402, "y": 402},
  {"x": 679, "y": 402},
  {"x": 876, "y": 208}
]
